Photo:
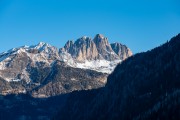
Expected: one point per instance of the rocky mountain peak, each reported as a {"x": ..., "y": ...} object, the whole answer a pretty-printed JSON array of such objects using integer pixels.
[
  {"x": 83, "y": 49},
  {"x": 46, "y": 50},
  {"x": 121, "y": 50},
  {"x": 18, "y": 60},
  {"x": 68, "y": 46},
  {"x": 83, "y": 40},
  {"x": 104, "y": 48},
  {"x": 99, "y": 36},
  {"x": 42, "y": 46},
  {"x": 99, "y": 39},
  {"x": 95, "y": 53}
]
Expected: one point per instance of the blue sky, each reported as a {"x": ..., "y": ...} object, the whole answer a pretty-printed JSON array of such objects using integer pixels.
[{"x": 140, "y": 24}]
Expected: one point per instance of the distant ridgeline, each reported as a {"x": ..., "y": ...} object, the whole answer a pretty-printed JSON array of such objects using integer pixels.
[{"x": 43, "y": 70}]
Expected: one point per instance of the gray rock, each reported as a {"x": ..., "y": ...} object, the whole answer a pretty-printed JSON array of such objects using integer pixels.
[
  {"x": 104, "y": 48},
  {"x": 83, "y": 49},
  {"x": 121, "y": 50}
]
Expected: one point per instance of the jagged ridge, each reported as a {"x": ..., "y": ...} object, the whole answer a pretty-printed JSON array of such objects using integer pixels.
[{"x": 99, "y": 48}]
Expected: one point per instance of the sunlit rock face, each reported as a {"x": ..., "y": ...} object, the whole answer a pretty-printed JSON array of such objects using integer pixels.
[
  {"x": 96, "y": 54},
  {"x": 121, "y": 50}
]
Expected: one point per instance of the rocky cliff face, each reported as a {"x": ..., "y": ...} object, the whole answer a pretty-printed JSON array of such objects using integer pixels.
[
  {"x": 104, "y": 48},
  {"x": 96, "y": 54},
  {"x": 97, "y": 49},
  {"x": 83, "y": 49},
  {"x": 121, "y": 50}
]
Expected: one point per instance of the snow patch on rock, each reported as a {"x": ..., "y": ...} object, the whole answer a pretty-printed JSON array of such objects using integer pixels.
[{"x": 99, "y": 65}]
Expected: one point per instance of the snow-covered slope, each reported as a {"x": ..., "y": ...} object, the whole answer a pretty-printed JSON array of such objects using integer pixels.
[
  {"x": 14, "y": 64},
  {"x": 41, "y": 52},
  {"x": 99, "y": 65}
]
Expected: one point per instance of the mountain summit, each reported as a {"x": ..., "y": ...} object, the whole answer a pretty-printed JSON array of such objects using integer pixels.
[
  {"x": 97, "y": 54},
  {"x": 83, "y": 49},
  {"x": 99, "y": 48},
  {"x": 104, "y": 48},
  {"x": 121, "y": 50}
]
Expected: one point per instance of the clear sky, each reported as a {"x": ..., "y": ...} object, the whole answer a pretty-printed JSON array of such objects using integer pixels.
[{"x": 140, "y": 24}]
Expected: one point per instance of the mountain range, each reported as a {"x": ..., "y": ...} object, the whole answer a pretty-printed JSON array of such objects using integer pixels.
[{"x": 44, "y": 70}]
